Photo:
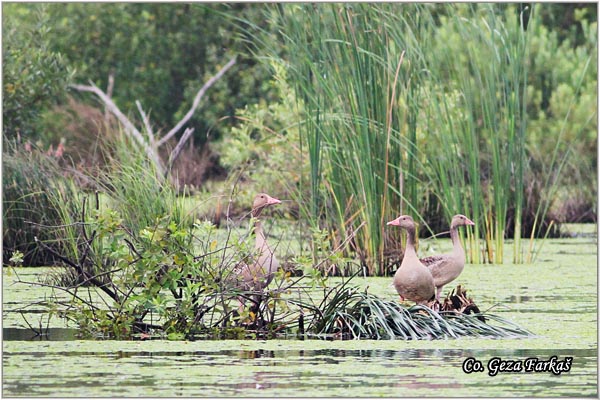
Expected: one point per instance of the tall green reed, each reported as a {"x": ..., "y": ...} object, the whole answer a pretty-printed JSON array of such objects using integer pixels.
[
  {"x": 481, "y": 126},
  {"x": 352, "y": 77},
  {"x": 134, "y": 189},
  {"x": 409, "y": 104}
]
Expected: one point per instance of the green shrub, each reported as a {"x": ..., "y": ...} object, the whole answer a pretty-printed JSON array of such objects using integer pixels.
[
  {"x": 263, "y": 153},
  {"x": 34, "y": 75},
  {"x": 161, "y": 55}
]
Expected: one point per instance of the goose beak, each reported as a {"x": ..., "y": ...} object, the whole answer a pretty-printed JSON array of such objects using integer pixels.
[
  {"x": 272, "y": 200},
  {"x": 469, "y": 222},
  {"x": 395, "y": 222}
]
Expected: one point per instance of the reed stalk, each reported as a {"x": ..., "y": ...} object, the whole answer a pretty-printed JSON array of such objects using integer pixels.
[{"x": 409, "y": 104}]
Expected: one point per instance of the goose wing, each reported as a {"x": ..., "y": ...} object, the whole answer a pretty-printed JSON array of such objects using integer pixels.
[{"x": 436, "y": 264}]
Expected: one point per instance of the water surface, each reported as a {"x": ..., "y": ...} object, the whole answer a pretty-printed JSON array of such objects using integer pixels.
[{"x": 555, "y": 298}]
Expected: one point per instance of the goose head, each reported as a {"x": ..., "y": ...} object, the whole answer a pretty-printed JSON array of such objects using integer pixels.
[
  {"x": 460, "y": 220},
  {"x": 261, "y": 201},
  {"x": 403, "y": 221}
]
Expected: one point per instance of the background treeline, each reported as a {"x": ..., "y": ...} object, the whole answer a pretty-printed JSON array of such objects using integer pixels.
[{"x": 357, "y": 112}]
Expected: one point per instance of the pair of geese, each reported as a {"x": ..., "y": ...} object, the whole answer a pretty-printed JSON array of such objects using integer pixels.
[{"x": 418, "y": 280}]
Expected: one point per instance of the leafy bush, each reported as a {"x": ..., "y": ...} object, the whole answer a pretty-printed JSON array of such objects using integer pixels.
[
  {"x": 34, "y": 75},
  {"x": 165, "y": 278},
  {"x": 263, "y": 152}
]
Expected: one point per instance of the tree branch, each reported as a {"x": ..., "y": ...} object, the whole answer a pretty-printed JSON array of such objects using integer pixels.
[
  {"x": 131, "y": 130},
  {"x": 177, "y": 150},
  {"x": 129, "y": 127},
  {"x": 199, "y": 95},
  {"x": 146, "y": 123}
]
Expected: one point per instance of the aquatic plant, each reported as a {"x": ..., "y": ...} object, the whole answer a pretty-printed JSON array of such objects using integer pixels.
[
  {"x": 348, "y": 312},
  {"x": 422, "y": 109}
]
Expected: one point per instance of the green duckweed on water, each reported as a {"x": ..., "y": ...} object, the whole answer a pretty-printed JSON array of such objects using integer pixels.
[{"x": 555, "y": 298}]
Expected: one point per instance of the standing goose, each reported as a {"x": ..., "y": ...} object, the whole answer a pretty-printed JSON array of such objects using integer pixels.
[
  {"x": 260, "y": 272},
  {"x": 412, "y": 280},
  {"x": 447, "y": 267}
]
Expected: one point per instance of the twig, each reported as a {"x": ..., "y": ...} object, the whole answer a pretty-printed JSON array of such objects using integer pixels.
[
  {"x": 37, "y": 333},
  {"x": 64, "y": 289},
  {"x": 81, "y": 271},
  {"x": 55, "y": 226}
]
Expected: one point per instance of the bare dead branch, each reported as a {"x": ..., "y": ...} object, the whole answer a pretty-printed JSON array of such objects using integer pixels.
[
  {"x": 177, "y": 150},
  {"x": 152, "y": 145},
  {"x": 146, "y": 123},
  {"x": 197, "y": 99},
  {"x": 129, "y": 127},
  {"x": 109, "y": 92}
]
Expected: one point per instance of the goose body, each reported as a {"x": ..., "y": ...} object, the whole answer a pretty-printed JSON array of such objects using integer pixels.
[
  {"x": 413, "y": 281},
  {"x": 445, "y": 268},
  {"x": 256, "y": 275}
]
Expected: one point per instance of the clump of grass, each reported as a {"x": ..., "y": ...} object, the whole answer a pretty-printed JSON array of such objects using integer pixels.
[
  {"x": 349, "y": 313},
  {"x": 133, "y": 187},
  {"x": 38, "y": 202}
]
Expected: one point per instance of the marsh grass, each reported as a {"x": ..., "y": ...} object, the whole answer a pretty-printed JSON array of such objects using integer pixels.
[
  {"x": 38, "y": 202},
  {"x": 133, "y": 187},
  {"x": 419, "y": 109},
  {"x": 346, "y": 312}
]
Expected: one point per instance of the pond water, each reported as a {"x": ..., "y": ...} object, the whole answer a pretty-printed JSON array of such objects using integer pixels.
[{"x": 555, "y": 298}]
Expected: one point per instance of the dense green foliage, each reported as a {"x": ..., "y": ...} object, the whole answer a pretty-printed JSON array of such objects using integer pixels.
[
  {"x": 264, "y": 150},
  {"x": 161, "y": 55},
  {"x": 34, "y": 74}
]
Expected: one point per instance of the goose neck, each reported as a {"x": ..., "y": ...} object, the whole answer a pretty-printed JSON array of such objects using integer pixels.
[
  {"x": 410, "y": 239},
  {"x": 455, "y": 238},
  {"x": 258, "y": 231}
]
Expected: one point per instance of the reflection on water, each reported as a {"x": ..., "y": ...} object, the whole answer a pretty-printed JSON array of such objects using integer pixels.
[
  {"x": 260, "y": 372},
  {"x": 58, "y": 334}
]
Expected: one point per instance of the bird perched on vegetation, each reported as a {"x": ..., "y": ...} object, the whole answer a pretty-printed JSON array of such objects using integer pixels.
[
  {"x": 447, "y": 267},
  {"x": 257, "y": 274},
  {"x": 412, "y": 280}
]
